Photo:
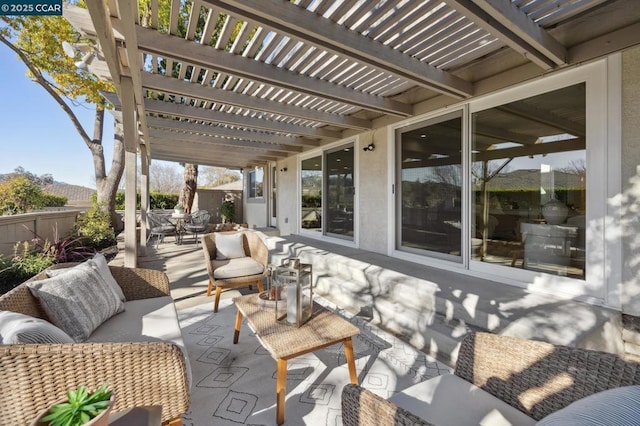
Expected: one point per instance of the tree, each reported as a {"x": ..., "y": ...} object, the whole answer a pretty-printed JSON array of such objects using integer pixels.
[
  {"x": 19, "y": 195},
  {"x": 188, "y": 192},
  {"x": 46, "y": 179},
  {"x": 164, "y": 177},
  {"x": 216, "y": 176},
  {"x": 37, "y": 40}
]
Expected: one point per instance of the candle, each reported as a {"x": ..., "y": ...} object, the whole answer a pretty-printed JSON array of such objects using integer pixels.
[{"x": 292, "y": 303}]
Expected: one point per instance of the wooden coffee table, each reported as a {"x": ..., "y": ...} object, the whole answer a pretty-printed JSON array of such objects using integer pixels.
[{"x": 285, "y": 342}]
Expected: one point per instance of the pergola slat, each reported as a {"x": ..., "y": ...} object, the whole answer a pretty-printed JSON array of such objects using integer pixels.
[
  {"x": 178, "y": 110},
  {"x": 228, "y": 132},
  {"x": 153, "y": 42},
  {"x": 310, "y": 28}
]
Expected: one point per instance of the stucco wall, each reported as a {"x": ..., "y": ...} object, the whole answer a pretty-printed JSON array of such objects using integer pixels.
[
  {"x": 631, "y": 180},
  {"x": 373, "y": 192},
  {"x": 287, "y": 196}
]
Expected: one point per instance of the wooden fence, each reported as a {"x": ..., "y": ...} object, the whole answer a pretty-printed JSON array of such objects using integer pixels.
[{"x": 24, "y": 227}]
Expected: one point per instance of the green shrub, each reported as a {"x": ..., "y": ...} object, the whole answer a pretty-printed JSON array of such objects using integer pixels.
[
  {"x": 157, "y": 200},
  {"x": 95, "y": 226},
  {"x": 19, "y": 195},
  {"x": 52, "y": 200},
  {"x": 27, "y": 261},
  {"x": 228, "y": 211}
]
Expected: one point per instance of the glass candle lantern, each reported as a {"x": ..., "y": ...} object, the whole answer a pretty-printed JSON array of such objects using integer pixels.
[{"x": 293, "y": 280}]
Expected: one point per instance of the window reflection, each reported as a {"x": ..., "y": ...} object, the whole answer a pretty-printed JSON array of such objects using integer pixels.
[
  {"x": 311, "y": 214},
  {"x": 340, "y": 192},
  {"x": 431, "y": 186},
  {"x": 529, "y": 183}
]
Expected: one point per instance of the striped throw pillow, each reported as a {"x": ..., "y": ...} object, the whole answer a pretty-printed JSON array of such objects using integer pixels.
[
  {"x": 613, "y": 407},
  {"x": 18, "y": 328},
  {"x": 77, "y": 301}
]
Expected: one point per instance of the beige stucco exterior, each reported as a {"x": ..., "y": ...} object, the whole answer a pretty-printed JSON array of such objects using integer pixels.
[
  {"x": 374, "y": 192},
  {"x": 631, "y": 181}
]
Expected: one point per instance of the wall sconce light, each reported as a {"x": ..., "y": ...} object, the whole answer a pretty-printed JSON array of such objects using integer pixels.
[
  {"x": 369, "y": 147},
  {"x": 283, "y": 170},
  {"x": 71, "y": 50}
]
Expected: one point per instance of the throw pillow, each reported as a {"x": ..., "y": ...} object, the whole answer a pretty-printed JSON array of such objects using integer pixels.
[
  {"x": 77, "y": 301},
  {"x": 613, "y": 407},
  {"x": 229, "y": 246},
  {"x": 101, "y": 266},
  {"x": 98, "y": 265},
  {"x": 18, "y": 328}
]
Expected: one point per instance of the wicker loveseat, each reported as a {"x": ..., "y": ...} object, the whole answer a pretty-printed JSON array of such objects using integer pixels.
[
  {"x": 533, "y": 377},
  {"x": 142, "y": 371}
]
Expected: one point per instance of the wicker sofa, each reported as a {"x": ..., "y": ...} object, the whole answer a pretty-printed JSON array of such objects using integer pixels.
[
  {"x": 533, "y": 377},
  {"x": 141, "y": 370}
]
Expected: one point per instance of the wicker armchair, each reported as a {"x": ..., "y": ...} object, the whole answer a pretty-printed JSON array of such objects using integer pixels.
[
  {"x": 140, "y": 374},
  {"x": 534, "y": 377},
  {"x": 254, "y": 247}
]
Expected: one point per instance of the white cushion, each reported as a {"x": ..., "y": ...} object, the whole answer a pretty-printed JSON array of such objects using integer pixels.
[
  {"x": 450, "y": 400},
  {"x": 613, "y": 407},
  {"x": 234, "y": 268},
  {"x": 18, "y": 328},
  {"x": 77, "y": 301},
  {"x": 145, "y": 320},
  {"x": 229, "y": 246}
]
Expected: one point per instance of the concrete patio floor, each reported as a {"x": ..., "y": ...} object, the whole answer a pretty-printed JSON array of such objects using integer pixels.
[{"x": 183, "y": 264}]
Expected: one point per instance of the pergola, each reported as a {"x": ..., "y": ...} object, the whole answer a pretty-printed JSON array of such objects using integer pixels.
[{"x": 240, "y": 83}]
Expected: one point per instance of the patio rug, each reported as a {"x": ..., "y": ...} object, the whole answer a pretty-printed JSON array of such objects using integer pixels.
[{"x": 235, "y": 384}]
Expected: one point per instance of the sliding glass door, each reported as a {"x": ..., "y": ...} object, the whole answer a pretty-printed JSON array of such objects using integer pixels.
[
  {"x": 339, "y": 192},
  {"x": 311, "y": 202},
  {"x": 430, "y": 187}
]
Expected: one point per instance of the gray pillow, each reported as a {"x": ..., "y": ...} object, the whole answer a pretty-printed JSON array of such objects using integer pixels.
[
  {"x": 229, "y": 246},
  {"x": 18, "y": 328},
  {"x": 100, "y": 267},
  {"x": 613, "y": 407},
  {"x": 77, "y": 301},
  {"x": 100, "y": 263}
]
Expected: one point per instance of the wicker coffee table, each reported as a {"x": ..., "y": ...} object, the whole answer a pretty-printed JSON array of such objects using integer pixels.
[{"x": 285, "y": 342}]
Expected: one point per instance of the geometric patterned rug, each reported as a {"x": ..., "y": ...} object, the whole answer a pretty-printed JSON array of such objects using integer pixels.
[{"x": 235, "y": 384}]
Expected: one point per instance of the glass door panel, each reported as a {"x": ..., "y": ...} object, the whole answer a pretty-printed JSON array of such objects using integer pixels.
[
  {"x": 339, "y": 192},
  {"x": 529, "y": 183},
  {"x": 311, "y": 202},
  {"x": 430, "y": 187}
]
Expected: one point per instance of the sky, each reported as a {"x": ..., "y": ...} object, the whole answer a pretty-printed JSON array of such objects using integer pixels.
[{"x": 37, "y": 134}]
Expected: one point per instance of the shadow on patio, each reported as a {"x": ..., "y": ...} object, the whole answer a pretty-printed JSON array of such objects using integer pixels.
[{"x": 235, "y": 384}]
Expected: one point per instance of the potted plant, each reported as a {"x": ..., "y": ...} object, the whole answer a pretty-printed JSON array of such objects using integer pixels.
[
  {"x": 228, "y": 211},
  {"x": 178, "y": 209},
  {"x": 80, "y": 408}
]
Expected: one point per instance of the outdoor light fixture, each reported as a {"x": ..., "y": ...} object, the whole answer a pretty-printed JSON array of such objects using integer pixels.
[
  {"x": 283, "y": 170},
  {"x": 71, "y": 50},
  {"x": 369, "y": 147}
]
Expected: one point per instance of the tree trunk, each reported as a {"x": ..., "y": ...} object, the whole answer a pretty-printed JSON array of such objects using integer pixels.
[
  {"x": 188, "y": 192},
  {"x": 107, "y": 183}
]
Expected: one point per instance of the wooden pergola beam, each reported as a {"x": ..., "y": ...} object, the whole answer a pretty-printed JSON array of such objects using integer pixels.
[
  {"x": 300, "y": 24},
  {"x": 183, "y": 88},
  {"x": 522, "y": 35},
  {"x": 216, "y": 141},
  {"x": 168, "y": 46},
  {"x": 204, "y": 114},
  {"x": 226, "y": 152},
  {"x": 228, "y": 132}
]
